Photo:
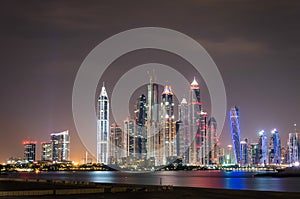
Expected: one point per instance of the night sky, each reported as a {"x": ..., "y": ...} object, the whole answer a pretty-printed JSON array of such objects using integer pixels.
[{"x": 255, "y": 44}]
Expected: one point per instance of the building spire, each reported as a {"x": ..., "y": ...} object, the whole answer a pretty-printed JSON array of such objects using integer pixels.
[{"x": 194, "y": 83}]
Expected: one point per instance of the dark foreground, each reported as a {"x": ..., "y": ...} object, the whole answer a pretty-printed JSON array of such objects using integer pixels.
[{"x": 154, "y": 193}]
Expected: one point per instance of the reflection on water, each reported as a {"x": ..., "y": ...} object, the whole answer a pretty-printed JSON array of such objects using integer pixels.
[{"x": 207, "y": 179}]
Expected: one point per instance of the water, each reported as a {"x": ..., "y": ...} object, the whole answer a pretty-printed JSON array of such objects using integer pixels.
[{"x": 205, "y": 179}]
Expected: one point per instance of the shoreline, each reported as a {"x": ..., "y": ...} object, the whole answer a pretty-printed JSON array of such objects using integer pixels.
[{"x": 17, "y": 188}]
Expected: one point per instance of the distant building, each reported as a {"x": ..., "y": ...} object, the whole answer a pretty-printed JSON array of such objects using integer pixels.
[
  {"x": 29, "y": 150},
  {"x": 47, "y": 151},
  {"x": 244, "y": 153},
  {"x": 103, "y": 127},
  {"x": 212, "y": 141},
  {"x": 166, "y": 140},
  {"x": 115, "y": 143},
  {"x": 263, "y": 148},
  {"x": 60, "y": 146},
  {"x": 229, "y": 155},
  {"x": 275, "y": 148},
  {"x": 128, "y": 138},
  {"x": 183, "y": 136},
  {"x": 254, "y": 154},
  {"x": 235, "y": 133},
  {"x": 141, "y": 131},
  {"x": 294, "y": 147},
  {"x": 195, "y": 107}
]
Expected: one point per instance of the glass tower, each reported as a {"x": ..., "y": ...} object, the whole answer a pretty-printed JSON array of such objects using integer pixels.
[
  {"x": 183, "y": 137},
  {"x": 275, "y": 148},
  {"x": 235, "y": 133},
  {"x": 60, "y": 146},
  {"x": 263, "y": 148},
  {"x": 103, "y": 127},
  {"x": 194, "y": 122},
  {"x": 141, "y": 118}
]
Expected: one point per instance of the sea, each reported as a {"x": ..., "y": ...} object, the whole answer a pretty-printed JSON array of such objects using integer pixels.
[{"x": 236, "y": 180}]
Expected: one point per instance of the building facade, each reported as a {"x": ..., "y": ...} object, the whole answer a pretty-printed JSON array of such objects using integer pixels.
[
  {"x": 29, "y": 150},
  {"x": 60, "y": 146},
  {"x": 235, "y": 133},
  {"x": 263, "y": 148},
  {"x": 47, "y": 151},
  {"x": 275, "y": 148},
  {"x": 103, "y": 127}
]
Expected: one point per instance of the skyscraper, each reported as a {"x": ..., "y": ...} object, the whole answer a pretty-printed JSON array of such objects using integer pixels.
[
  {"x": 103, "y": 127},
  {"x": 235, "y": 133},
  {"x": 152, "y": 123},
  {"x": 212, "y": 141},
  {"x": 254, "y": 153},
  {"x": 294, "y": 147},
  {"x": 128, "y": 137},
  {"x": 167, "y": 134},
  {"x": 29, "y": 150},
  {"x": 263, "y": 148},
  {"x": 141, "y": 131},
  {"x": 244, "y": 153},
  {"x": 115, "y": 143},
  {"x": 202, "y": 142},
  {"x": 183, "y": 137},
  {"x": 60, "y": 146},
  {"x": 194, "y": 122},
  {"x": 275, "y": 148}
]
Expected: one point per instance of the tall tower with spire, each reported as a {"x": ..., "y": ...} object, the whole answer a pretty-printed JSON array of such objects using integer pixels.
[
  {"x": 103, "y": 127},
  {"x": 194, "y": 122}
]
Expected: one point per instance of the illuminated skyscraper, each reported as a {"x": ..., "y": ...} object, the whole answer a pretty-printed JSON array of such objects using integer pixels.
[
  {"x": 128, "y": 138},
  {"x": 103, "y": 127},
  {"x": 263, "y": 148},
  {"x": 60, "y": 146},
  {"x": 294, "y": 147},
  {"x": 115, "y": 143},
  {"x": 47, "y": 151},
  {"x": 183, "y": 137},
  {"x": 202, "y": 141},
  {"x": 254, "y": 153},
  {"x": 141, "y": 131},
  {"x": 212, "y": 141},
  {"x": 275, "y": 148},
  {"x": 152, "y": 123},
  {"x": 244, "y": 153},
  {"x": 166, "y": 145},
  {"x": 194, "y": 122},
  {"x": 235, "y": 133},
  {"x": 29, "y": 150}
]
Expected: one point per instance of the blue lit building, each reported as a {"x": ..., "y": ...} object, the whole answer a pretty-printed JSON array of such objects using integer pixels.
[
  {"x": 235, "y": 133},
  {"x": 263, "y": 148},
  {"x": 244, "y": 153},
  {"x": 275, "y": 148}
]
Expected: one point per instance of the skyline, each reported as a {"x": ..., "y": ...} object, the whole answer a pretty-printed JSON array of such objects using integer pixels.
[{"x": 255, "y": 47}]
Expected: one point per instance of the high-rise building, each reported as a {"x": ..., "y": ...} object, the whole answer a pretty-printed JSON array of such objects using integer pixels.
[
  {"x": 129, "y": 138},
  {"x": 194, "y": 122},
  {"x": 244, "y": 153},
  {"x": 183, "y": 137},
  {"x": 254, "y": 154},
  {"x": 166, "y": 145},
  {"x": 115, "y": 144},
  {"x": 60, "y": 146},
  {"x": 152, "y": 123},
  {"x": 202, "y": 142},
  {"x": 275, "y": 148},
  {"x": 141, "y": 131},
  {"x": 212, "y": 141},
  {"x": 47, "y": 151},
  {"x": 229, "y": 155},
  {"x": 103, "y": 127},
  {"x": 29, "y": 150},
  {"x": 263, "y": 148},
  {"x": 294, "y": 147},
  {"x": 235, "y": 133}
]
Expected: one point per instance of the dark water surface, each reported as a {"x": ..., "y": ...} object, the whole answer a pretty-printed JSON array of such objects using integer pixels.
[{"x": 205, "y": 179}]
